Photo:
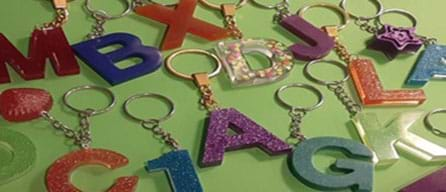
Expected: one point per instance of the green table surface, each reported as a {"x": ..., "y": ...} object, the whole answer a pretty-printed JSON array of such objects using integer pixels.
[{"x": 242, "y": 170}]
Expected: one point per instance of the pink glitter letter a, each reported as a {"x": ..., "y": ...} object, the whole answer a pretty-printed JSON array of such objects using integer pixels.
[{"x": 250, "y": 134}]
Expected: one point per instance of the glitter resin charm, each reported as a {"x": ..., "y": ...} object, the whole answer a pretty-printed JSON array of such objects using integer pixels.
[
  {"x": 58, "y": 174},
  {"x": 48, "y": 44},
  {"x": 385, "y": 139},
  {"x": 431, "y": 183},
  {"x": 394, "y": 40},
  {"x": 181, "y": 21},
  {"x": 371, "y": 92},
  {"x": 431, "y": 65},
  {"x": 24, "y": 104},
  {"x": 179, "y": 169},
  {"x": 231, "y": 53},
  {"x": 358, "y": 172},
  {"x": 23, "y": 155},
  {"x": 319, "y": 43},
  {"x": 250, "y": 134}
]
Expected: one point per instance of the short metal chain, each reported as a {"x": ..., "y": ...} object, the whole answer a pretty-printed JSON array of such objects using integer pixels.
[
  {"x": 137, "y": 3},
  {"x": 207, "y": 99},
  {"x": 365, "y": 25},
  {"x": 428, "y": 40},
  {"x": 81, "y": 137},
  {"x": 282, "y": 11},
  {"x": 296, "y": 120},
  {"x": 98, "y": 28},
  {"x": 59, "y": 20},
  {"x": 231, "y": 25},
  {"x": 167, "y": 138},
  {"x": 342, "y": 51},
  {"x": 339, "y": 89}
]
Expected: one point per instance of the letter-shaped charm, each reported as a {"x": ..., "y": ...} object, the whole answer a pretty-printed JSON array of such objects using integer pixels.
[
  {"x": 48, "y": 44},
  {"x": 58, "y": 175},
  {"x": 24, "y": 104},
  {"x": 231, "y": 53},
  {"x": 250, "y": 134},
  {"x": 181, "y": 21},
  {"x": 431, "y": 183},
  {"x": 431, "y": 65},
  {"x": 371, "y": 92},
  {"x": 180, "y": 170},
  {"x": 359, "y": 173},
  {"x": 392, "y": 41},
  {"x": 384, "y": 140},
  {"x": 319, "y": 43},
  {"x": 23, "y": 155},
  {"x": 104, "y": 64}
]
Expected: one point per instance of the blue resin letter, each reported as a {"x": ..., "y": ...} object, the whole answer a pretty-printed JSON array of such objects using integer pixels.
[
  {"x": 431, "y": 65},
  {"x": 359, "y": 175},
  {"x": 104, "y": 64},
  {"x": 178, "y": 167}
]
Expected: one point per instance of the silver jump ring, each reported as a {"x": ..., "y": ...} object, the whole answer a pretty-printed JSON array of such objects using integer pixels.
[
  {"x": 406, "y": 13},
  {"x": 430, "y": 126},
  {"x": 269, "y": 6},
  {"x": 149, "y": 95},
  {"x": 90, "y": 87},
  {"x": 304, "y": 86},
  {"x": 378, "y": 4},
  {"x": 323, "y": 82},
  {"x": 104, "y": 14}
]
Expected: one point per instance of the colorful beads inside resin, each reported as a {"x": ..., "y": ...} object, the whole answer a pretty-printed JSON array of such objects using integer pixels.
[{"x": 232, "y": 54}]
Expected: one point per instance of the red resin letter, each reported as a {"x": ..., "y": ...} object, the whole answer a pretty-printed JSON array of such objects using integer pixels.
[
  {"x": 58, "y": 175},
  {"x": 50, "y": 44},
  {"x": 181, "y": 21},
  {"x": 371, "y": 92}
]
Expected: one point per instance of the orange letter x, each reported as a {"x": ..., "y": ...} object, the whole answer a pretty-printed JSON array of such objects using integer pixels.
[{"x": 181, "y": 21}]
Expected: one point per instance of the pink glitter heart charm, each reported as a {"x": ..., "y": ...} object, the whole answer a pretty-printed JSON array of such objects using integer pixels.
[{"x": 24, "y": 104}]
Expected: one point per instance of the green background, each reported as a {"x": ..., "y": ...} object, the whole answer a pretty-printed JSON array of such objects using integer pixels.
[{"x": 243, "y": 170}]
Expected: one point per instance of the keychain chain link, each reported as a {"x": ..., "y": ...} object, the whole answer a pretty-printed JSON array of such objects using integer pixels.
[
  {"x": 339, "y": 89},
  {"x": 282, "y": 11},
  {"x": 59, "y": 20},
  {"x": 296, "y": 120},
  {"x": 342, "y": 51},
  {"x": 365, "y": 25},
  {"x": 98, "y": 28},
  {"x": 231, "y": 25},
  {"x": 81, "y": 137},
  {"x": 428, "y": 40},
  {"x": 153, "y": 125},
  {"x": 208, "y": 100}
]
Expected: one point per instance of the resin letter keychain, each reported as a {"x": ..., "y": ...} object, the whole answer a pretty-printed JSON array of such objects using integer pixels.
[
  {"x": 357, "y": 174},
  {"x": 366, "y": 80},
  {"x": 59, "y": 173},
  {"x": 177, "y": 164},
  {"x": 232, "y": 53},
  {"x": 217, "y": 141}
]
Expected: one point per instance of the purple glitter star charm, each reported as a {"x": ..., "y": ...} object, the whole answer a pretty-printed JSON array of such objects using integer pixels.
[
  {"x": 394, "y": 40},
  {"x": 250, "y": 134}
]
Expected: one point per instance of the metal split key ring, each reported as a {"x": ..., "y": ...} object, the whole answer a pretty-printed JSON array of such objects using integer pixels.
[
  {"x": 103, "y": 14},
  {"x": 403, "y": 12},
  {"x": 171, "y": 69},
  {"x": 430, "y": 126},
  {"x": 377, "y": 3},
  {"x": 300, "y": 108},
  {"x": 343, "y": 13},
  {"x": 92, "y": 112},
  {"x": 149, "y": 95},
  {"x": 239, "y": 4},
  {"x": 312, "y": 77}
]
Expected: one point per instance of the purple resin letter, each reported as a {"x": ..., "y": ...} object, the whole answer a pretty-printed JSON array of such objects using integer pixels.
[
  {"x": 431, "y": 183},
  {"x": 250, "y": 134},
  {"x": 319, "y": 43}
]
